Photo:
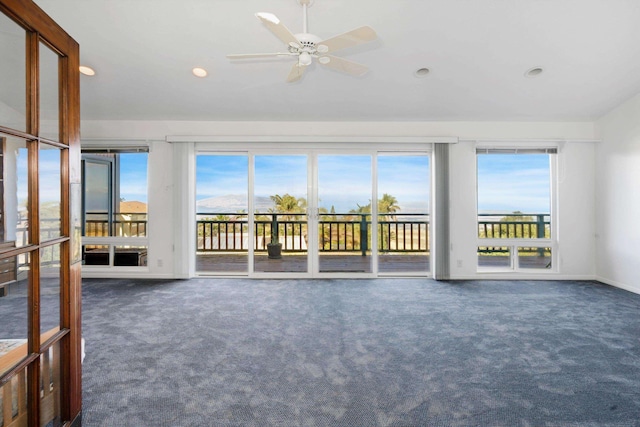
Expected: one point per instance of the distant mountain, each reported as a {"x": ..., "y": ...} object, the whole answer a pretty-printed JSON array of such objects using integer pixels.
[
  {"x": 232, "y": 203},
  {"x": 413, "y": 207}
]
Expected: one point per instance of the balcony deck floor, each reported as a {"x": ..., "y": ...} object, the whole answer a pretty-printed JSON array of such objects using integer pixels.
[
  {"x": 329, "y": 263},
  {"x": 343, "y": 263}
]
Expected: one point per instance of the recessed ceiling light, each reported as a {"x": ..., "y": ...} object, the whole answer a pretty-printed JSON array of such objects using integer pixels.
[
  {"x": 87, "y": 71},
  {"x": 533, "y": 72},
  {"x": 422, "y": 72},
  {"x": 199, "y": 72}
]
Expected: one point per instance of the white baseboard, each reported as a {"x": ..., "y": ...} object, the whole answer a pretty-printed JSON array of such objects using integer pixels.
[
  {"x": 508, "y": 276},
  {"x": 123, "y": 275},
  {"x": 630, "y": 288}
]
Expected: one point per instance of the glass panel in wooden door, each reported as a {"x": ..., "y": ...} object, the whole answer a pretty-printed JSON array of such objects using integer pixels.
[
  {"x": 50, "y": 286},
  {"x": 403, "y": 213},
  {"x": 13, "y": 109},
  {"x": 14, "y": 311},
  {"x": 49, "y": 94},
  {"x": 51, "y": 386},
  {"x": 344, "y": 214},
  {"x": 50, "y": 172},
  {"x": 15, "y": 191},
  {"x": 280, "y": 213},
  {"x": 222, "y": 203}
]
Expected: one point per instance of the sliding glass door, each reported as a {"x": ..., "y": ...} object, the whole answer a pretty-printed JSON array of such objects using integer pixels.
[
  {"x": 311, "y": 213},
  {"x": 403, "y": 213},
  {"x": 222, "y": 206},
  {"x": 280, "y": 214},
  {"x": 344, "y": 213}
]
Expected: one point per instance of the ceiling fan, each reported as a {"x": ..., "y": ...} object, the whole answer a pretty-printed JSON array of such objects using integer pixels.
[{"x": 305, "y": 47}]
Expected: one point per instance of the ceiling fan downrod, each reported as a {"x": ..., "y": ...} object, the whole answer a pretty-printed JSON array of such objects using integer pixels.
[{"x": 305, "y": 4}]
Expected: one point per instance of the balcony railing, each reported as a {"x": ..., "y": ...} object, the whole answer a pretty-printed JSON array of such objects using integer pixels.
[
  {"x": 512, "y": 226},
  {"x": 228, "y": 232},
  {"x": 123, "y": 224},
  {"x": 397, "y": 233}
]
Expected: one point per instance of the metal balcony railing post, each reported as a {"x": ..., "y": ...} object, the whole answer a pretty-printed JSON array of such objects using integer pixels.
[
  {"x": 540, "y": 227},
  {"x": 274, "y": 228},
  {"x": 363, "y": 234}
]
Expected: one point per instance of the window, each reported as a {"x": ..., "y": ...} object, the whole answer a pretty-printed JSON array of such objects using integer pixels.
[
  {"x": 515, "y": 229},
  {"x": 115, "y": 207}
]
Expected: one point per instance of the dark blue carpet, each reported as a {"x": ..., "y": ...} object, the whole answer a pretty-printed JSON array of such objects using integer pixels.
[{"x": 385, "y": 352}]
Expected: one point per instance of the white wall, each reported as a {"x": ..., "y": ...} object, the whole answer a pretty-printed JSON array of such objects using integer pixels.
[
  {"x": 167, "y": 166},
  {"x": 618, "y": 197},
  {"x": 161, "y": 212}
]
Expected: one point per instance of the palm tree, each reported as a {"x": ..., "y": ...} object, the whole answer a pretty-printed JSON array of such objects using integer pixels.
[
  {"x": 388, "y": 204},
  {"x": 288, "y": 204}
]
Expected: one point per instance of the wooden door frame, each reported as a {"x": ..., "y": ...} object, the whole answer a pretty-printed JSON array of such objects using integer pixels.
[{"x": 41, "y": 28}]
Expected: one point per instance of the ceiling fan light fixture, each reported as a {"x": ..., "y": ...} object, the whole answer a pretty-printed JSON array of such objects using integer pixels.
[
  {"x": 324, "y": 60},
  {"x": 304, "y": 59},
  {"x": 199, "y": 72}
]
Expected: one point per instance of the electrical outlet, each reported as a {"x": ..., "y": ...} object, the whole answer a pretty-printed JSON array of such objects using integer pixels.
[
  {"x": 459, "y": 263},
  {"x": 160, "y": 263}
]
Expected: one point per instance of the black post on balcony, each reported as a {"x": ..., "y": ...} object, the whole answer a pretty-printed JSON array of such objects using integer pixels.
[
  {"x": 274, "y": 228},
  {"x": 364, "y": 234},
  {"x": 540, "y": 232}
]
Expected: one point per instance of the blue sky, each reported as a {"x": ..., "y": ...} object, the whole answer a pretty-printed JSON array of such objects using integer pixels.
[
  {"x": 133, "y": 176},
  {"x": 514, "y": 182},
  {"x": 506, "y": 182},
  {"x": 343, "y": 180},
  {"x": 221, "y": 175},
  {"x": 407, "y": 178}
]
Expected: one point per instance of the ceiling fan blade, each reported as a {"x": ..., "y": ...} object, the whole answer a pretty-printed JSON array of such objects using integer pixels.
[
  {"x": 343, "y": 65},
  {"x": 352, "y": 38},
  {"x": 278, "y": 28},
  {"x": 258, "y": 55},
  {"x": 296, "y": 72}
]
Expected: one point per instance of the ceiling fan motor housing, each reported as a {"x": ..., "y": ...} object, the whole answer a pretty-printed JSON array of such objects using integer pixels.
[
  {"x": 308, "y": 40},
  {"x": 307, "y": 43}
]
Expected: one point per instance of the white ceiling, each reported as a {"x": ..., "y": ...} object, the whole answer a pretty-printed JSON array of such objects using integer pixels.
[{"x": 478, "y": 51}]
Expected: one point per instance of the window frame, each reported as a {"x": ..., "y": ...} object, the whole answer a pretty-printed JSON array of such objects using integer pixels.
[
  {"x": 112, "y": 242},
  {"x": 513, "y": 244}
]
